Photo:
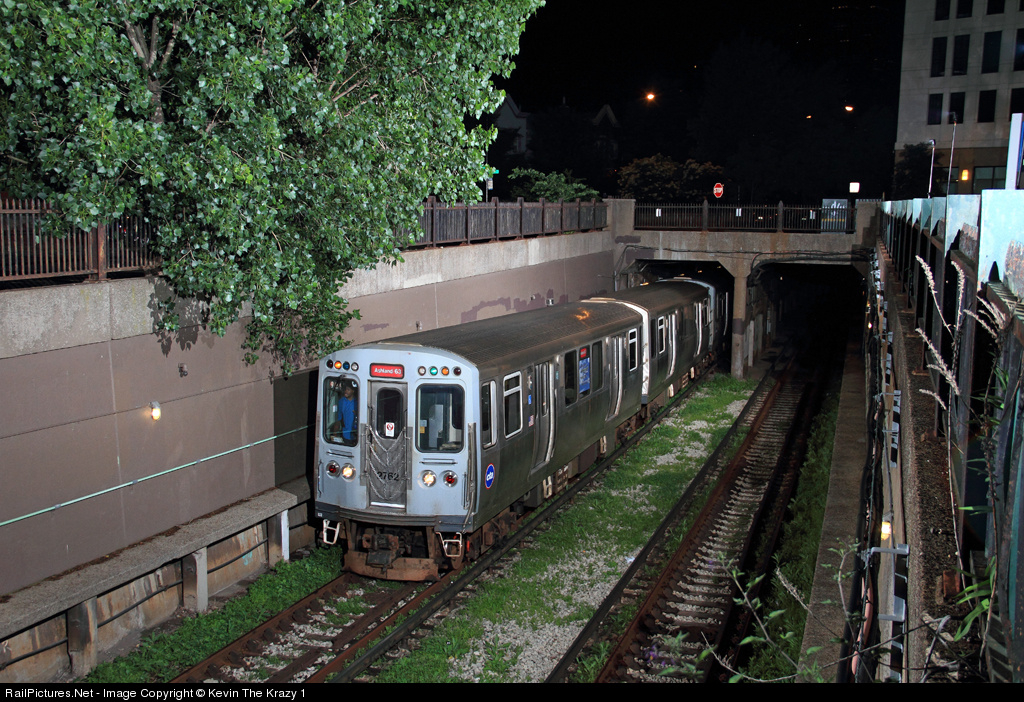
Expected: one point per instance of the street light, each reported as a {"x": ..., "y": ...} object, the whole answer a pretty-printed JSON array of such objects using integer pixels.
[
  {"x": 952, "y": 145},
  {"x": 931, "y": 169}
]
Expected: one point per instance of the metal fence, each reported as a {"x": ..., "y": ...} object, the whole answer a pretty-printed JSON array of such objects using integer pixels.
[
  {"x": 27, "y": 253},
  {"x": 124, "y": 246},
  {"x": 831, "y": 216},
  {"x": 489, "y": 221}
]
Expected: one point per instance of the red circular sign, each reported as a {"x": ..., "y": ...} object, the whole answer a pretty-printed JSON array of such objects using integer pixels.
[{"x": 719, "y": 189}]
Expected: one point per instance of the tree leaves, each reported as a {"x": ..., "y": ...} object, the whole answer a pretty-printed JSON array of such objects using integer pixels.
[{"x": 275, "y": 147}]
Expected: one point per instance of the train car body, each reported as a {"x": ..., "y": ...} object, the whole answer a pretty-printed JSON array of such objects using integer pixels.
[{"x": 428, "y": 444}]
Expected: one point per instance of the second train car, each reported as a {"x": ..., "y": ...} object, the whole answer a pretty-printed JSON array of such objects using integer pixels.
[{"x": 430, "y": 444}]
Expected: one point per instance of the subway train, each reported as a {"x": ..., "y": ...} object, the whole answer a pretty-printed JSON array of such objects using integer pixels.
[{"x": 430, "y": 445}]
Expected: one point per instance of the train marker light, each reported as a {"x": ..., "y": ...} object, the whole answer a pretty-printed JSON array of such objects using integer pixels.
[
  {"x": 449, "y": 478},
  {"x": 333, "y": 468},
  {"x": 444, "y": 371}
]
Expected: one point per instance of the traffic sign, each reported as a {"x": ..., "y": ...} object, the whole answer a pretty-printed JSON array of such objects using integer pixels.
[{"x": 719, "y": 189}]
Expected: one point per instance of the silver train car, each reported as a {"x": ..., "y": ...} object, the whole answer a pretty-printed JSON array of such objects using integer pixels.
[{"x": 429, "y": 445}]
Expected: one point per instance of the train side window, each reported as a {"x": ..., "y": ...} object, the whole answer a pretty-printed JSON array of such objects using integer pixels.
[
  {"x": 661, "y": 335},
  {"x": 487, "y": 414},
  {"x": 570, "y": 371},
  {"x": 634, "y": 349},
  {"x": 440, "y": 419},
  {"x": 513, "y": 396},
  {"x": 597, "y": 366},
  {"x": 584, "y": 379}
]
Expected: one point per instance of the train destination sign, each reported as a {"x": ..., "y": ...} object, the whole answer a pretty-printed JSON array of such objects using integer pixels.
[{"x": 387, "y": 370}]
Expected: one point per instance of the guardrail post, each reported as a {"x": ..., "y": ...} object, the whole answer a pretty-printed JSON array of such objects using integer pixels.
[
  {"x": 81, "y": 632},
  {"x": 195, "y": 587},
  {"x": 779, "y": 220}
]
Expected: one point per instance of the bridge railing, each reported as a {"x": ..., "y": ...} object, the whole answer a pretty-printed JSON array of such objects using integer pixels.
[
  {"x": 124, "y": 245},
  {"x": 489, "y": 221},
  {"x": 825, "y": 218},
  {"x": 26, "y": 253}
]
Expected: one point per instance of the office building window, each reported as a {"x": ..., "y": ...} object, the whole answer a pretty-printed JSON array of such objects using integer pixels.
[
  {"x": 956, "y": 108},
  {"x": 935, "y": 108},
  {"x": 961, "y": 47},
  {"x": 989, "y": 177},
  {"x": 996, "y": 7},
  {"x": 987, "y": 106},
  {"x": 1016, "y": 101},
  {"x": 942, "y": 9},
  {"x": 990, "y": 54},
  {"x": 964, "y": 8},
  {"x": 1018, "y": 51},
  {"x": 938, "y": 56}
]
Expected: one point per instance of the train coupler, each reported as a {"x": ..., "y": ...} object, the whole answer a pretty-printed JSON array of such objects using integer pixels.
[
  {"x": 330, "y": 533},
  {"x": 452, "y": 547}
]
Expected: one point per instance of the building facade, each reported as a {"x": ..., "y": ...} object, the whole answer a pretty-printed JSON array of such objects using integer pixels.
[{"x": 962, "y": 78}]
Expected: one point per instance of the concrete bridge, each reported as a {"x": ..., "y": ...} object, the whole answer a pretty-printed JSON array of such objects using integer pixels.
[{"x": 88, "y": 472}]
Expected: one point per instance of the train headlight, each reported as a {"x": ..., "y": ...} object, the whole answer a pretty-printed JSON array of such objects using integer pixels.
[
  {"x": 449, "y": 478},
  {"x": 428, "y": 478},
  {"x": 348, "y": 471}
]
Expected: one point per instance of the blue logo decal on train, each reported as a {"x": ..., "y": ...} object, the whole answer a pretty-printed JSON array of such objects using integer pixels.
[{"x": 489, "y": 476}]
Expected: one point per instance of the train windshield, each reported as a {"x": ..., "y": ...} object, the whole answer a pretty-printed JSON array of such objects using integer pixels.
[
  {"x": 440, "y": 419},
  {"x": 341, "y": 411}
]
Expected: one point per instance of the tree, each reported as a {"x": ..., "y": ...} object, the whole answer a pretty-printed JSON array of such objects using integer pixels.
[
  {"x": 910, "y": 177},
  {"x": 658, "y": 178},
  {"x": 550, "y": 186},
  {"x": 275, "y": 147}
]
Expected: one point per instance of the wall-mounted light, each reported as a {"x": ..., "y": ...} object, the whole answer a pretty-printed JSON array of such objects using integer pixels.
[
  {"x": 965, "y": 175},
  {"x": 154, "y": 410},
  {"x": 886, "y": 525}
]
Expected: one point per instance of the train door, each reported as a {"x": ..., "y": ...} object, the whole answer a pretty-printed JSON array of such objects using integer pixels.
[
  {"x": 616, "y": 372},
  {"x": 672, "y": 345},
  {"x": 544, "y": 388},
  {"x": 699, "y": 320},
  {"x": 387, "y": 444}
]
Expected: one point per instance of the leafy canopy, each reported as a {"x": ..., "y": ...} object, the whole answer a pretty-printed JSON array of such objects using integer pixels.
[
  {"x": 533, "y": 185},
  {"x": 659, "y": 178},
  {"x": 276, "y": 147}
]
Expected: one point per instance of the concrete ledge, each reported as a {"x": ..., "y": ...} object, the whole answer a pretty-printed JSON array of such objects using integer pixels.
[{"x": 50, "y": 597}]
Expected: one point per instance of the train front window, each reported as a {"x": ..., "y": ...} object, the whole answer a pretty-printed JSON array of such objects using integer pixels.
[
  {"x": 439, "y": 418},
  {"x": 341, "y": 411},
  {"x": 390, "y": 413}
]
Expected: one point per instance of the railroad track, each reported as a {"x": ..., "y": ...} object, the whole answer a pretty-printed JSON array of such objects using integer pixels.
[
  {"x": 299, "y": 651},
  {"x": 690, "y": 607}
]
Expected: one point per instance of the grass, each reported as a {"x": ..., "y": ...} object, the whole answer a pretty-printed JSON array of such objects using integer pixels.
[
  {"x": 162, "y": 657},
  {"x": 540, "y": 602}
]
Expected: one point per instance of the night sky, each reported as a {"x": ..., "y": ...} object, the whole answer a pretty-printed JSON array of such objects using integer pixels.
[{"x": 725, "y": 57}]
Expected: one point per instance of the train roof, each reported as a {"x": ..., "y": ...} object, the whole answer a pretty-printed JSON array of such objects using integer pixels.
[
  {"x": 491, "y": 340},
  {"x": 550, "y": 329},
  {"x": 663, "y": 295}
]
